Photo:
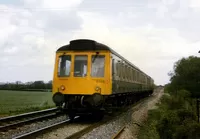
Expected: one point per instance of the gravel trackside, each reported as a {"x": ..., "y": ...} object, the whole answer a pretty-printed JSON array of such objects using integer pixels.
[
  {"x": 132, "y": 120},
  {"x": 138, "y": 117}
]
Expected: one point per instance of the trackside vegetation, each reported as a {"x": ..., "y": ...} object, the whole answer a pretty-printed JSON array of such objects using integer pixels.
[{"x": 176, "y": 115}]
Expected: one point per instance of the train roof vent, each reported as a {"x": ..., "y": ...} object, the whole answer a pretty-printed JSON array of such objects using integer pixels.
[{"x": 82, "y": 44}]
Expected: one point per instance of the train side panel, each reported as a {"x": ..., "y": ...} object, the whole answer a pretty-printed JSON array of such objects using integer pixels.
[{"x": 126, "y": 78}]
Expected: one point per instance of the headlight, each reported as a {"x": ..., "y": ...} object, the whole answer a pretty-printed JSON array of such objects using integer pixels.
[
  {"x": 97, "y": 88},
  {"x": 62, "y": 87}
]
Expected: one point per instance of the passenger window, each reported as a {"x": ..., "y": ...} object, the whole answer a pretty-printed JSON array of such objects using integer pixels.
[
  {"x": 126, "y": 72},
  {"x": 131, "y": 74},
  {"x": 118, "y": 69},
  {"x": 97, "y": 66},
  {"x": 137, "y": 78},
  {"x": 121, "y": 71},
  {"x": 134, "y": 75},
  {"x": 113, "y": 67},
  {"x": 80, "y": 66}
]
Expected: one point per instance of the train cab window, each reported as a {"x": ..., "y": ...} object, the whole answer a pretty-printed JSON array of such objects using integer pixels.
[
  {"x": 64, "y": 65},
  {"x": 80, "y": 65},
  {"x": 97, "y": 66}
]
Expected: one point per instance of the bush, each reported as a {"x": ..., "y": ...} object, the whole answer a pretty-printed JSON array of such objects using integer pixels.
[
  {"x": 175, "y": 118},
  {"x": 189, "y": 131},
  {"x": 166, "y": 125},
  {"x": 176, "y": 122}
]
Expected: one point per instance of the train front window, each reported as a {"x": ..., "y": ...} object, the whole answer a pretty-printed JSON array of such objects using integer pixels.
[
  {"x": 98, "y": 63},
  {"x": 80, "y": 66},
  {"x": 64, "y": 66}
]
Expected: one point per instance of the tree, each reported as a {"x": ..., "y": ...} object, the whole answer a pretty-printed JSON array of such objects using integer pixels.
[
  {"x": 18, "y": 85},
  {"x": 186, "y": 75},
  {"x": 49, "y": 84},
  {"x": 39, "y": 85}
]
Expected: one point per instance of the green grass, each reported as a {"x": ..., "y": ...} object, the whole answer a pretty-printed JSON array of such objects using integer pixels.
[{"x": 16, "y": 102}]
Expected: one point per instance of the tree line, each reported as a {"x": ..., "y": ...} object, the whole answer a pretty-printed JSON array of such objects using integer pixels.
[{"x": 28, "y": 86}]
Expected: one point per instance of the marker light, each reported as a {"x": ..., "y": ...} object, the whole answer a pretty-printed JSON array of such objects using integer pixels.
[
  {"x": 62, "y": 87},
  {"x": 97, "y": 88}
]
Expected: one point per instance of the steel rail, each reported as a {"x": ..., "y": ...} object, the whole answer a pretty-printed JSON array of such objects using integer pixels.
[
  {"x": 37, "y": 132},
  {"x": 20, "y": 123},
  {"x": 84, "y": 131},
  {"x": 115, "y": 136},
  {"x": 24, "y": 115}
]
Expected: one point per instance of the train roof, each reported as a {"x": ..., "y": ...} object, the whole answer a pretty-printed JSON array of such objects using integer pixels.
[
  {"x": 83, "y": 45},
  {"x": 87, "y": 44}
]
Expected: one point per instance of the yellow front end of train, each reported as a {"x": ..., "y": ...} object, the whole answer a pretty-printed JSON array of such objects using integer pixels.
[
  {"x": 81, "y": 77},
  {"x": 82, "y": 73}
]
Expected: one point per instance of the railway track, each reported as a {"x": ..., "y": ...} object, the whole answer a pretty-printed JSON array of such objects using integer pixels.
[
  {"x": 11, "y": 123},
  {"x": 86, "y": 130},
  {"x": 37, "y": 132},
  {"x": 25, "y": 115},
  {"x": 19, "y": 120},
  {"x": 61, "y": 124},
  {"x": 67, "y": 122},
  {"x": 8, "y": 124},
  {"x": 106, "y": 120}
]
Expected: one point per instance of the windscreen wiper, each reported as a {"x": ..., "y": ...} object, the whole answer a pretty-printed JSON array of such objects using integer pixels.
[{"x": 97, "y": 53}]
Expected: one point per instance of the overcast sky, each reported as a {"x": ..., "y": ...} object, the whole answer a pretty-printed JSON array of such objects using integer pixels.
[{"x": 152, "y": 34}]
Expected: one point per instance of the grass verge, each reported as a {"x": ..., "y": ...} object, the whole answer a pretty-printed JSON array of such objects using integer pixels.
[{"x": 16, "y": 102}]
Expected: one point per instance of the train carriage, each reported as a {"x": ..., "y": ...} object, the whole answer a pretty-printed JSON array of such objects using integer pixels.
[{"x": 90, "y": 76}]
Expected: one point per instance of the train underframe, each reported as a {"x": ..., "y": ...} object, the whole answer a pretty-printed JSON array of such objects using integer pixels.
[{"x": 96, "y": 104}]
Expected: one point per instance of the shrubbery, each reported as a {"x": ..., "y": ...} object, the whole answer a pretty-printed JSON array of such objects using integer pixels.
[{"x": 175, "y": 118}]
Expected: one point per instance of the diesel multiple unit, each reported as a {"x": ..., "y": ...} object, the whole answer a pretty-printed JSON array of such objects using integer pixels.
[{"x": 90, "y": 76}]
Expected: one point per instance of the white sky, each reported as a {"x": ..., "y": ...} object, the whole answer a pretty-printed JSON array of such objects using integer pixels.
[{"x": 152, "y": 34}]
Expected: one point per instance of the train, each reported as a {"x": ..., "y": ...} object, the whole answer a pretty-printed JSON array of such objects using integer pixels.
[{"x": 90, "y": 77}]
